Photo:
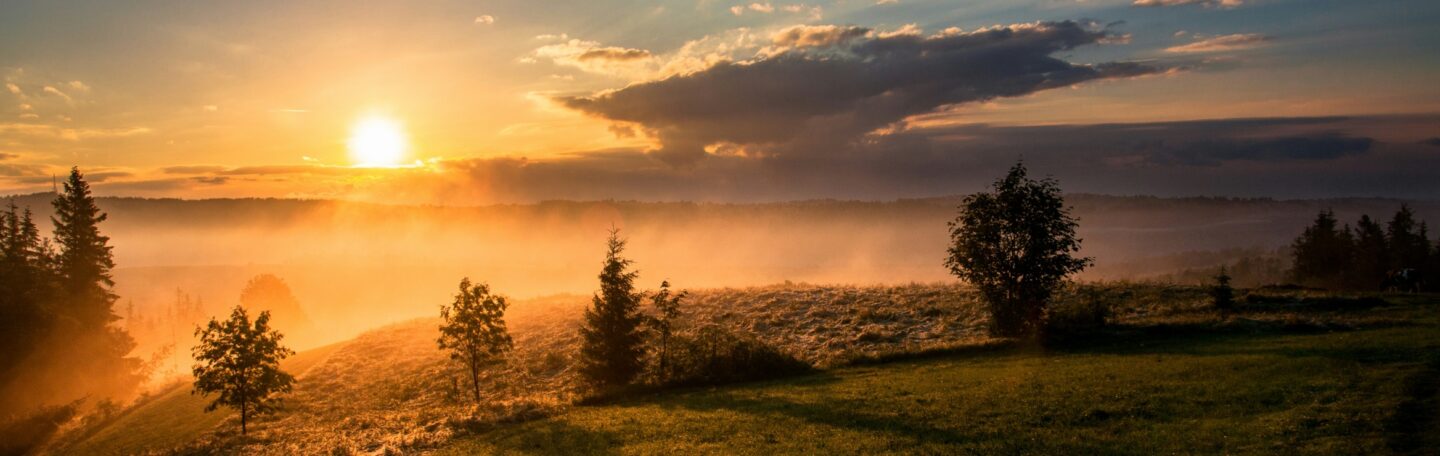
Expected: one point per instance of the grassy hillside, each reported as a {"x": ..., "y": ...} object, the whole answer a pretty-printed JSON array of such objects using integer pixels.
[
  {"x": 1240, "y": 390},
  {"x": 1169, "y": 372},
  {"x": 174, "y": 417}
]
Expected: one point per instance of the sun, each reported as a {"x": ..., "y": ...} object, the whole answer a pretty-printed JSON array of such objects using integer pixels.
[{"x": 377, "y": 142}]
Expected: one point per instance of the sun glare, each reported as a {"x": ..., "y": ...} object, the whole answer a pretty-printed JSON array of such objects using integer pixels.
[{"x": 377, "y": 142}]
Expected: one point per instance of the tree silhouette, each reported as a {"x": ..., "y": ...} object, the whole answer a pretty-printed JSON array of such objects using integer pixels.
[
  {"x": 1408, "y": 244},
  {"x": 1323, "y": 253},
  {"x": 240, "y": 362},
  {"x": 85, "y": 258},
  {"x": 1015, "y": 244},
  {"x": 1371, "y": 255},
  {"x": 1222, "y": 295},
  {"x": 667, "y": 311},
  {"x": 267, "y": 292},
  {"x": 612, "y": 342},
  {"x": 474, "y": 329}
]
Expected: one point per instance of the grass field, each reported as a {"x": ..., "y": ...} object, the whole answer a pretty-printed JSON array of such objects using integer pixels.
[
  {"x": 173, "y": 418},
  {"x": 1289, "y": 372},
  {"x": 1237, "y": 390}
]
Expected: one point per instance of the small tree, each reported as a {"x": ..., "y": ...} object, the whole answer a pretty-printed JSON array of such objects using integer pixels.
[
  {"x": 1222, "y": 296},
  {"x": 241, "y": 362},
  {"x": 667, "y": 311},
  {"x": 474, "y": 329},
  {"x": 612, "y": 342},
  {"x": 1016, "y": 245}
]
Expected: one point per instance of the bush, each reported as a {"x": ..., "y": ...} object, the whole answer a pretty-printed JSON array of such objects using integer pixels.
[
  {"x": 1085, "y": 315},
  {"x": 26, "y": 433},
  {"x": 713, "y": 355}
]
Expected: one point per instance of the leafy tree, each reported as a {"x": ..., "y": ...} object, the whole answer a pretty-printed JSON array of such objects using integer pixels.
[
  {"x": 1372, "y": 255},
  {"x": 1323, "y": 253},
  {"x": 1016, "y": 244},
  {"x": 474, "y": 329},
  {"x": 612, "y": 341},
  {"x": 240, "y": 362},
  {"x": 1222, "y": 296},
  {"x": 667, "y": 311},
  {"x": 85, "y": 258},
  {"x": 267, "y": 292}
]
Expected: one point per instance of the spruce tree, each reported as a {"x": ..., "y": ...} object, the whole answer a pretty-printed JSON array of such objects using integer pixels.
[
  {"x": 612, "y": 341},
  {"x": 1323, "y": 253},
  {"x": 85, "y": 258},
  {"x": 1372, "y": 255},
  {"x": 1408, "y": 245}
]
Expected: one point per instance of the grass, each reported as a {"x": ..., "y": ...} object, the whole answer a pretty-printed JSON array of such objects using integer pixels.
[
  {"x": 173, "y": 418},
  {"x": 1292, "y": 371},
  {"x": 1227, "y": 390}
]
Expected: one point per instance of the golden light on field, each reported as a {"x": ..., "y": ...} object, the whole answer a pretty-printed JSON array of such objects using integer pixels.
[{"x": 377, "y": 141}]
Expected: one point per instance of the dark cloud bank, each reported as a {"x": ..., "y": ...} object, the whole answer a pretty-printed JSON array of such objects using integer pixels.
[{"x": 824, "y": 87}]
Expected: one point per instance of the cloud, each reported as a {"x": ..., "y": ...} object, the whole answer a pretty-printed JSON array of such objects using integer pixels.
[
  {"x": 8, "y": 156},
  {"x": 485, "y": 19},
  {"x": 817, "y": 35},
  {"x": 56, "y": 92},
  {"x": 886, "y": 2},
  {"x": 1223, "y": 43},
  {"x": 70, "y": 134},
  {"x": 1207, "y": 3},
  {"x": 593, "y": 57},
  {"x": 1213, "y": 152},
  {"x": 839, "y": 87},
  {"x": 1432, "y": 141},
  {"x": 613, "y": 54},
  {"x": 192, "y": 169},
  {"x": 14, "y": 89}
]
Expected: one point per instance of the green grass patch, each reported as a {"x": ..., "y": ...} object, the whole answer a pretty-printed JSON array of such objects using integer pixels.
[{"x": 1221, "y": 391}]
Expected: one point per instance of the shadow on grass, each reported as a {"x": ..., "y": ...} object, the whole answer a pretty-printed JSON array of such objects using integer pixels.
[
  {"x": 1410, "y": 428},
  {"x": 554, "y": 437},
  {"x": 832, "y": 413}
]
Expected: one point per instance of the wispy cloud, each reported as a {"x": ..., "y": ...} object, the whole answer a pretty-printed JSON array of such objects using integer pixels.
[
  {"x": 1206, "y": 3},
  {"x": 485, "y": 19},
  {"x": 1223, "y": 43}
]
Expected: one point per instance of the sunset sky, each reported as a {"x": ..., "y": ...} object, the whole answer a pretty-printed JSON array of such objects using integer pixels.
[{"x": 474, "y": 102}]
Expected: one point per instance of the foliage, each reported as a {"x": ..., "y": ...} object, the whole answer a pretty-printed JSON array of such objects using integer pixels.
[
  {"x": 667, "y": 314},
  {"x": 1081, "y": 311},
  {"x": 714, "y": 355},
  {"x": 610, "y": 354},
  {"x": 1368, "y": 258},
  {"x": 240, "y": 362},
  {"x": 26, "y": 433},
  {"x": 267, "y": 292},
  {"x": 473, "y": 329},
  {"x": 1016, "y": 245},
  {"x": 1222, "y": 295},
  {"x": 57, "y": 308}
]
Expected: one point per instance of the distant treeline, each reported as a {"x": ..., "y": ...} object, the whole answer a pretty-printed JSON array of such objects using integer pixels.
[{"x": 1397, "y": 255}]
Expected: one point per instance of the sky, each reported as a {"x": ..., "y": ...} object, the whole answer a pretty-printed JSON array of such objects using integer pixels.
[{"x": 479, "y": 102}]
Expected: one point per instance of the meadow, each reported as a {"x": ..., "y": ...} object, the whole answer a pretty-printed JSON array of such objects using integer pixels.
[{"x": 900, "y": 369}]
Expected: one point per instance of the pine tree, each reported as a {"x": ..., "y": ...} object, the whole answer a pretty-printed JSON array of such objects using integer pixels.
[
  {"x": 1323, "y": 253},
  {"x": 473, "y": 329},
  {"x": 1408, "y": 247},
  {"x": 85, "y": 258},
  {"x": 1222, "y": 295},
  {"x": 240, "y": 362},
  {"x": 1372, "y": 255},
  {"x": 612, "y": 341}
]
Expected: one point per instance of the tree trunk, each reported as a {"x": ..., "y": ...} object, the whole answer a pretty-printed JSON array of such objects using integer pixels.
[
  {"x": 475, "y": 378},
  {"x": 243, "y": 415}
]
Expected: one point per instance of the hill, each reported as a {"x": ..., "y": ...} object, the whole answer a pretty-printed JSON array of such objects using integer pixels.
[{"x": 1328, "y": 366}]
